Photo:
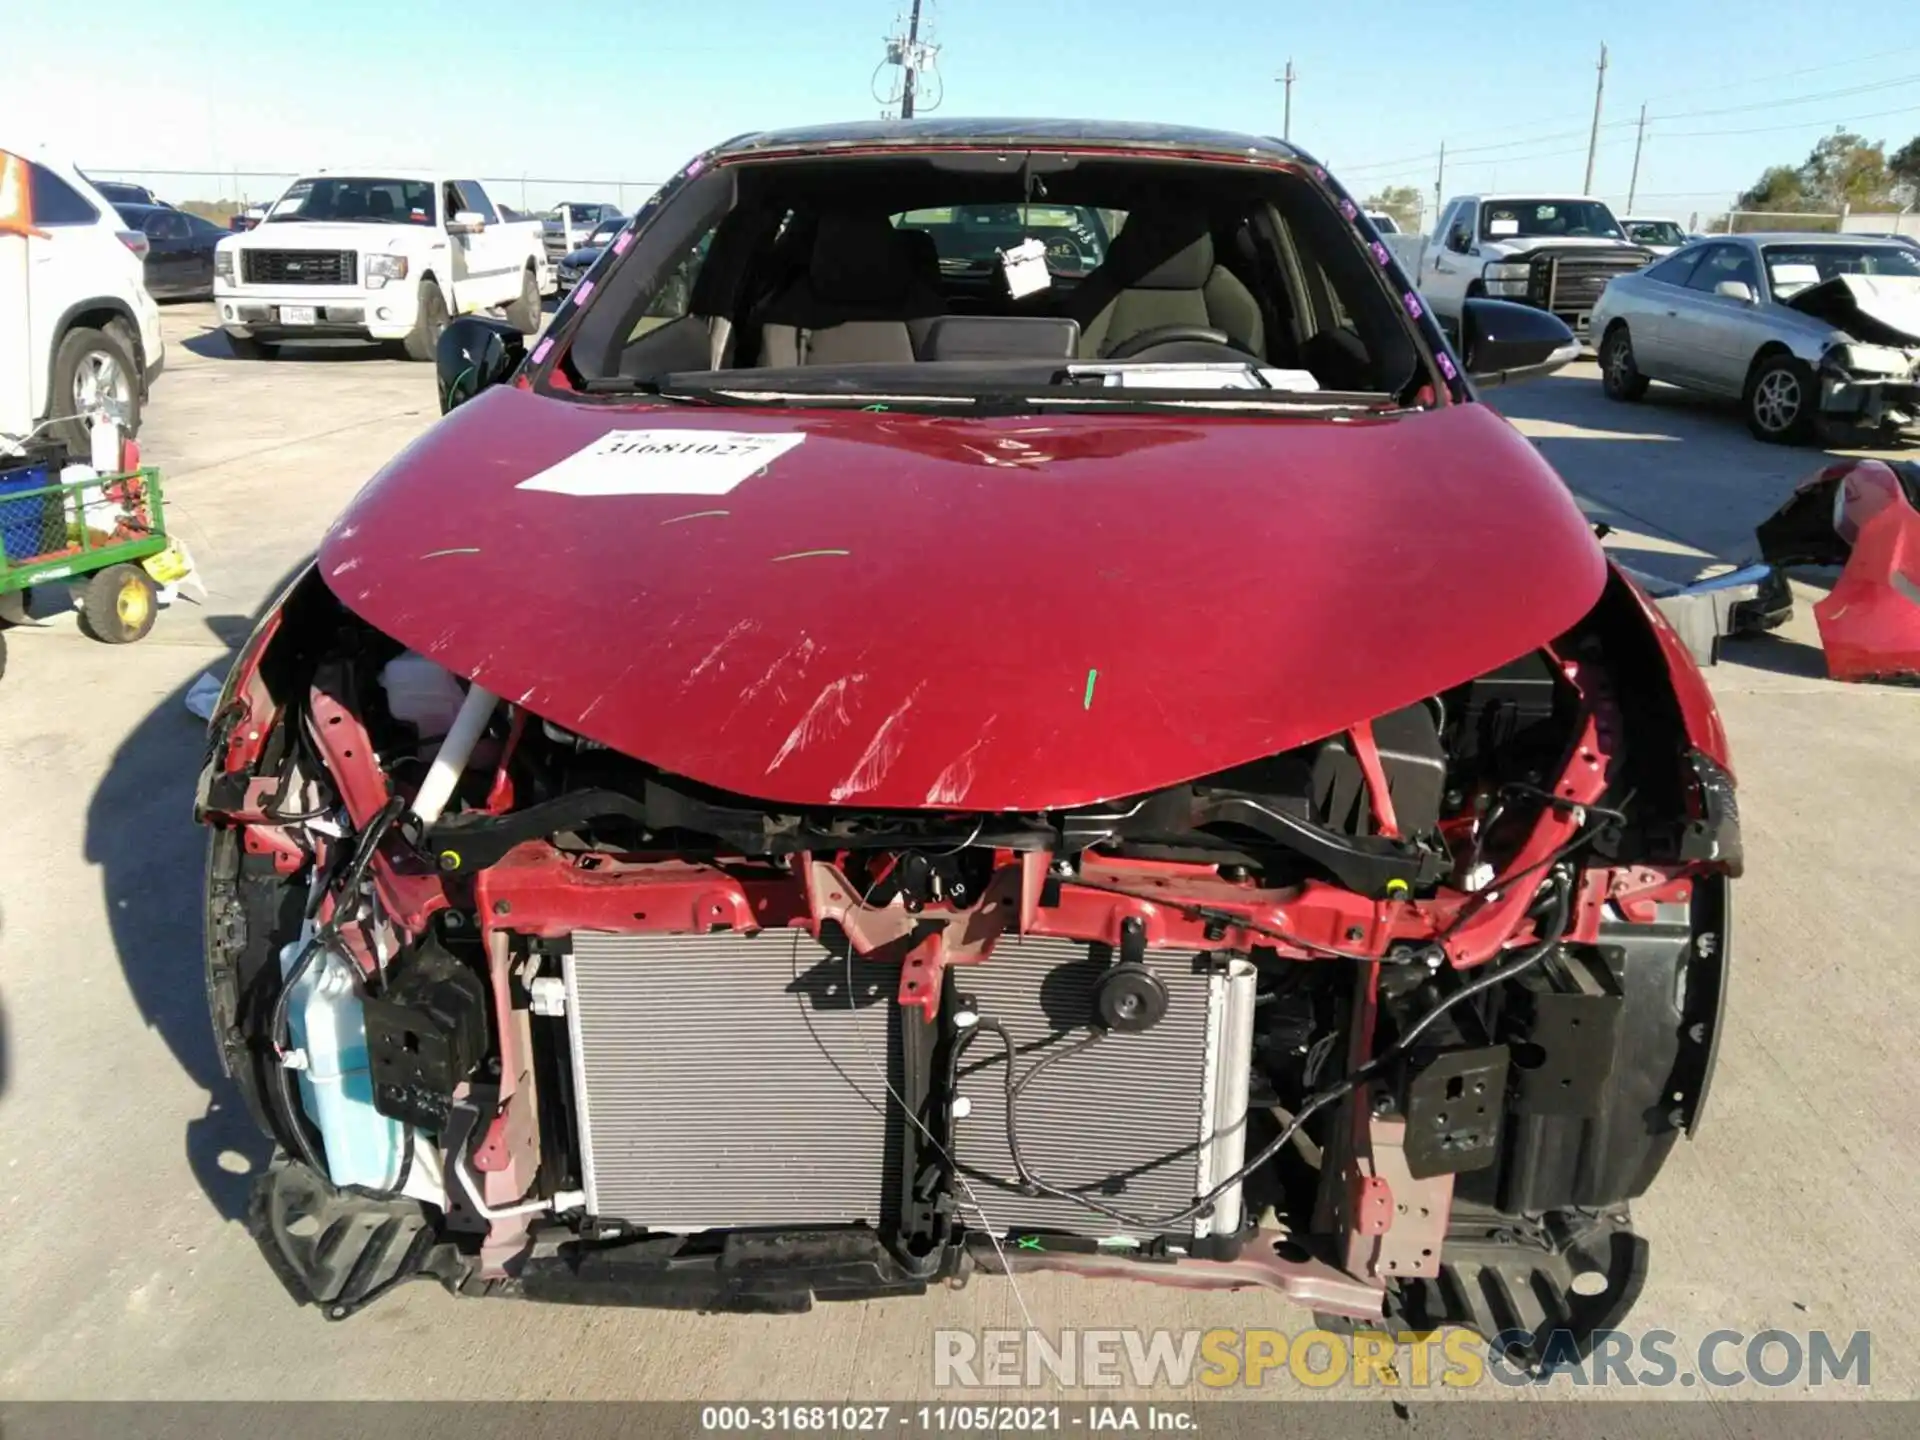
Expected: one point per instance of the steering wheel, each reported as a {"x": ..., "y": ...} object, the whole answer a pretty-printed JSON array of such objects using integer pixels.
[{"x": 1131, "y": 347}]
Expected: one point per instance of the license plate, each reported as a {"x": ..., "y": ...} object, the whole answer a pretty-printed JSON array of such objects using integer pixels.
[{"x": 298, "y": 315}]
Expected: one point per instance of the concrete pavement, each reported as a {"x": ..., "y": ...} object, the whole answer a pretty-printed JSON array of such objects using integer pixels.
[{"x": 124, "y": 1162}]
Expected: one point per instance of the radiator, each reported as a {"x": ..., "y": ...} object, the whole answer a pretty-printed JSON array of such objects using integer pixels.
[
  {"x": 724, "y": 1080},
  {"x": 1152, "y": 1119}
]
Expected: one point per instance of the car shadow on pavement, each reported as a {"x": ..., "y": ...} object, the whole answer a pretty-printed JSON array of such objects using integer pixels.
[
  {"x": 1775, "y": 653},
  {"x": 141, "y": 836},
  {"x": 211, "y": 344}
]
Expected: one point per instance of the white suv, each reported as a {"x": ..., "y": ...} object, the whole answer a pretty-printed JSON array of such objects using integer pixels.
[{"x": 91, "y": 332}]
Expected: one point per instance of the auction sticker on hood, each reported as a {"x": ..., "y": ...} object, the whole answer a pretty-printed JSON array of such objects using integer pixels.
[{"x": 663, "y": 462}]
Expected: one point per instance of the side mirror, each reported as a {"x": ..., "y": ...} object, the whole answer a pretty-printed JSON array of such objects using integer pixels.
[
  {"x": 467, "y": 222},
  {"x": 1458, "y": 239},
  {"x": 1502, "y": 342},
  {"x": 1735, "y": 290},
  {"x": 473, "y": 354}
]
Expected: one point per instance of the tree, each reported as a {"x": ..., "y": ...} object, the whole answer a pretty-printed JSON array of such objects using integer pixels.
[
  {"x": 1904, "y": 166},
  {"x": 1842, "y": 171},
  {"x": 1778, "y": 188},
  {"x": 1403, "y": 202}
]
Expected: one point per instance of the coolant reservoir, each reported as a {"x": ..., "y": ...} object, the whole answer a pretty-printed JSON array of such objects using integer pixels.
[
  {"x": 421, "y": 693},
  {"x": 326, "y": 1024}
]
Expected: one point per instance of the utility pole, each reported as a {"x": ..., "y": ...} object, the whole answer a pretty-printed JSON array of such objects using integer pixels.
[
  {"x": 1639, "y": 139},
  {"x": 1286, "y": 121},
  {"x": 912, "y": 61},
  {"x": 1439, "y": 176},
  {"x": 1593, "y": 137}
]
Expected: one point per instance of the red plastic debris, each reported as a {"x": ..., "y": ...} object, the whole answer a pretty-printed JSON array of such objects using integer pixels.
[{"x": 1870, "y": 622}]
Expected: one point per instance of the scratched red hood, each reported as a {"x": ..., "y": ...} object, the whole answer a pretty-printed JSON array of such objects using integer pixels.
[{"x": 994, "y": 614}]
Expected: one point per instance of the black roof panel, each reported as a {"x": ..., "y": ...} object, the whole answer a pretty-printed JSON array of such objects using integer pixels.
[{"x": 1118, "y": 134}]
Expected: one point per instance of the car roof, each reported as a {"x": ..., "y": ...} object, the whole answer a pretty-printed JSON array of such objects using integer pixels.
[
  {"x": 1801, "y": 237},
  {"x": 1546, "y": 195},
  {"x": 963, "y": 132},
  {"x": 373, "y": 172}
]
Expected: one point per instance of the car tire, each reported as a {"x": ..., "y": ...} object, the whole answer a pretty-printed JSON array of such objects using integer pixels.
[
  {"x": 524, "y": 313},
  {"x": 118, "y": 605},
  {"x": 247, "y": 347},
  {"x": 430, "y": 321},
  {"x": 88, "y": 362},
  {"x": 1620, "y": 377},
  {"x": 1781, "y": 401}
]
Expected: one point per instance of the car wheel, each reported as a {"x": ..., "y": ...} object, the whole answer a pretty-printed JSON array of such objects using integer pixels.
[
  {"x": 118, "y": 605},
  {"x": 93, "y": 370},
  {"x": 246, "y": 347},
  {"x": 1781, "y": 400},
  {"x": 428, "y": 324},
  {"x": 524, "y": 313},
  {"x": 1619, "y": 376}
]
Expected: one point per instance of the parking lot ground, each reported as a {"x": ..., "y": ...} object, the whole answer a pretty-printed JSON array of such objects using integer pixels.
[{"x": 124, "y": 1163}]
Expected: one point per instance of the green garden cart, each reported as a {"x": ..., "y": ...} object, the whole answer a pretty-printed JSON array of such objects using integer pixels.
[{"x": 102, "y": 527}]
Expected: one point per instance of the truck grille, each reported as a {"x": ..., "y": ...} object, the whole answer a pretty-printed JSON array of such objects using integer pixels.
[
  {"x": 299, "y": 267},
  {"x": 728, "y": 1080},
  {"x": 1563, "y": 282}
]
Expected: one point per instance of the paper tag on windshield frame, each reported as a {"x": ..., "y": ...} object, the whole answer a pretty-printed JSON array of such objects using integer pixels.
[
  {"x": 664, "y": 462},
  {"x": 1025, "y": 266}
]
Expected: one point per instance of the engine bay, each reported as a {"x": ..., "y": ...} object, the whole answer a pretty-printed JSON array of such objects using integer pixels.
[{"x": 529, "y": 1015}]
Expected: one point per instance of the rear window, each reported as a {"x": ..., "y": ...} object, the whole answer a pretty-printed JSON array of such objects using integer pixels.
[
  {"x": 356, "y": 198},
  {"x": 1792, "y": 268},
  {"x": 1655, "y": 232},
  {"x": 55, "y": 202},
  {"x": 970, "y": 237}
]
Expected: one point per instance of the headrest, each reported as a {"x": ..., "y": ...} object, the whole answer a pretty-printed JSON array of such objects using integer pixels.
[
  {"x": 1186, "y": 269},
  {"x": 380, "y": 202},
  {"x": 925, "y": 255},
  {"x": 860, "y": 260}
]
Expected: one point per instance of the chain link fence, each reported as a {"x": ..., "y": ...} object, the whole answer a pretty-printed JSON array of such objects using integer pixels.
[{"x": 1819, "y": 222}]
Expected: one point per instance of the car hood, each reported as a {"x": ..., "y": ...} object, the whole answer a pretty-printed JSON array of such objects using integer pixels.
[
  {"x": 323, "y": 234},
  {"x": 1874, "y": 309},
  {"x": 897, "y": 610},
  {"x": 1527, "y": 244}
]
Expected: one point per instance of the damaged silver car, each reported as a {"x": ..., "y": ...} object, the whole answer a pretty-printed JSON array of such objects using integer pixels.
[{"x": 1812, "y": 333}]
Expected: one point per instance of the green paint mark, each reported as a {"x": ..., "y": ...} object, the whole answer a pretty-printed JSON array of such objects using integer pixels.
[
  {"x": 875, "y": 408},
  {"x": 808, "y": 555},
  {"x": 1027, "y": 1242},
  {"x": 1092, "y": 675}
]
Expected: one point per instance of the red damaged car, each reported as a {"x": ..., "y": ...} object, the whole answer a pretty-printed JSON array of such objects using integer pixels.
[{"x": 883, "y": 748}]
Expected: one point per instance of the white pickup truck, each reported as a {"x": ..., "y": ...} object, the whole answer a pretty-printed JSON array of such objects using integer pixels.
[
  {"x": 1554, "y": 252},
  {"x": 380, "y": 256}
]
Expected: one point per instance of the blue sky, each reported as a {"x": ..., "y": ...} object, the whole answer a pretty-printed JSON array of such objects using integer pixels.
[{"x": 627, "y": 89}]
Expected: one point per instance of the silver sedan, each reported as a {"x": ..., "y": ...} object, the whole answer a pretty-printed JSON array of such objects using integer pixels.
[{"x": 1801, "y": 329}]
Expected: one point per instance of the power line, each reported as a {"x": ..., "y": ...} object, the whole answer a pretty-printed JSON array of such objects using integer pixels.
[
  {"x": 1795, "y": 125},
  {"x": 1794, "y": 100},
  {"x": 1748, "y": 107},
  {"x": 1787, "y": 74}
]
